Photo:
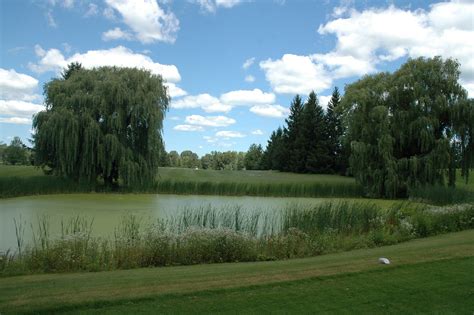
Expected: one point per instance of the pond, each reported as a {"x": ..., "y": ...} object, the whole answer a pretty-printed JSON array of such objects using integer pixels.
[{"x": 107, "y": 210}]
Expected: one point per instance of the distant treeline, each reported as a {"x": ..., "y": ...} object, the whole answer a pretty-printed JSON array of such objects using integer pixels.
[
  {"x": 309, "y": 143},
  {"x": 16, "y": 153}
]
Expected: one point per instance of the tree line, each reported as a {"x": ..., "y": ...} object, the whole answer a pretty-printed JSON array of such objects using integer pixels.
[
  {"x": 391, "y": 131},
  {"x": 16, "y": 153}
]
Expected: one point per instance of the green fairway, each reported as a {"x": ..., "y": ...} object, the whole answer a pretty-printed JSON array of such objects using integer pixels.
[
  {"x": 435, "y": 287},
  {"x": 437, "y": 270}
]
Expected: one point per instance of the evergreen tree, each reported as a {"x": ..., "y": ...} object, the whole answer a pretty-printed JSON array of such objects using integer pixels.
[
  {"x": 292, "y": 155},
  {"x": 335, "y": 131},
  {"x": 312, "y": 140},
  {"x": 274, "y": 155},
  {"x": 105, "y": 122}
]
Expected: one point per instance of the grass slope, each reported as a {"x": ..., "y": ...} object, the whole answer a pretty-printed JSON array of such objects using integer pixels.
[
  {"x": 434, "y": 287},
  {"x": 168, "y": 287}
]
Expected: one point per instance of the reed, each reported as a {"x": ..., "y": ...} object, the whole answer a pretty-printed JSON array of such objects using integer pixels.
[
  {"x": 441, "y": 195},
  {"x": 210, "y": 235}
]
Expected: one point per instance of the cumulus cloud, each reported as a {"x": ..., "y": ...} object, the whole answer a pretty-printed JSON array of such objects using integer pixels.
[
  {"x": 295, "y": 74},
  {"x": 212, "y": 5},
  {"x": 54, "y": 60},
  {"x": 274, "y": 111},
  {"x": 16, "y": 96},
  {"x": 17, "y": 108},
  {"x": 210, "y": 121},
  {"x": 147, "y": 20},
  {"x": 115, "y": 34},
  {"x": 19, "y": 86},
  {"x": 15, "y": 120},
  {"x": 175, "y": 91},
  {"x": 205, "y": 101},
  {"x": 188, "y": 128},
  {"x": 226, "y": 134},
  {"x": 247, "y": 63},
  {"x": 247, "y": 97},
  {"x": 392, "y": 33},
  {"x": 257, "y": 132},
  {"x": 365, "y": 39}
]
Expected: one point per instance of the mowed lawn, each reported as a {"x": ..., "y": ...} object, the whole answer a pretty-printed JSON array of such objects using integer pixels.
[
  {"x": 431, "y": 275},
  {"x": 186, "y": 174},
  {"x": 224, "y": 176}
]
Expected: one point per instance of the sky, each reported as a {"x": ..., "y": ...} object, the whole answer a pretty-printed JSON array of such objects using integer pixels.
[{"x": 232, "y": 67}]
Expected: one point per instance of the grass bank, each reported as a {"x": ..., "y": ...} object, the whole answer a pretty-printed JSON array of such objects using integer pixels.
[
  {"x": 209, "y": 235},
  {"x": 28, "y": 180},
  {"x": 430, "y": 275}
]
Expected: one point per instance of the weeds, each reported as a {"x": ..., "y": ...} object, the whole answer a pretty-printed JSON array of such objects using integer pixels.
[{"x": 210, "y": 235}]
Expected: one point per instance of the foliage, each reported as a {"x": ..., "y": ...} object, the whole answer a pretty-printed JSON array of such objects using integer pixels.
[
  {"x": 213, "y": 235},
  {"x": 313, "y": 140},
  {"x": 403, "y": 127},
  {"x": 189, "y": 159},
  {"x": 16, "y": 152},
  {"x": 105, "y": 122},
  {"x": 253, "y": 157},
  {"x": 335, "y": 132}
]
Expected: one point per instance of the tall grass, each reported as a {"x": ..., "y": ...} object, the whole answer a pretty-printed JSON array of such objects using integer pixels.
[
  {"x": 441, "y": 195},
  {"x": 41, "y": 185},
  {"x": 210, "y": 235},
  {"x": 316, "y": 189},
  {"x": 21, "y": 181}
]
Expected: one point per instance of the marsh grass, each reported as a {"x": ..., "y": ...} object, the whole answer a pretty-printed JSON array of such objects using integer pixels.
[
  {"x": 211, "y": 235},
  {"x": 440, "y": 195},
  {"x": 27, "y": 180}
]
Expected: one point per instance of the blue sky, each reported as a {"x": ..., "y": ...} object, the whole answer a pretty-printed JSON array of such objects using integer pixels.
[{"x": 232, "y": 67}]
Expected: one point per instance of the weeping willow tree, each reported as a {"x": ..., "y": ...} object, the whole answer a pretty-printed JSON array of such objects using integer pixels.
[
  {"x": 404, "y": 128},
  {"x": 103, "y": 123}
]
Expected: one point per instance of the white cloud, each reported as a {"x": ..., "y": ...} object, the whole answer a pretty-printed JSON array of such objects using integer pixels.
[
  {"x": 370, "y": 37},
  {"x": 15, "y": 120},
  {"x": 188, "y": 128},
  {"x": 148, "y": 21},
  {"x": 226, "y": 134},
  {"x": 247, "y": 97},
  {"x": 175, "y": 91},
  {"x": 274, "y": 111},
  {"x": 209, "y": 121},
  {"x": 248, "y": 63},
  {"x": 92, "y": 10},
  {"x": 19, "y": 108},
  {"x": 19, "y": 86},
  {"x": 53, "y": 60},
  {"x": 365, "y": 39},
  {"x": 205, "y": 101},
  {"x": 295, "y": 74},
  {"x": 324, "y": 100},
  {"x": 249, "y": 78},
  {"x": 115, "y": 34},
  {"x": 212, "y": 5},
  {"x": 257, "y": 132}
]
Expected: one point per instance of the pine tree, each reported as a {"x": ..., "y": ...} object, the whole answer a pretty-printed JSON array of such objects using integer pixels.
[
  {"x": 334, "y": 134},
  {"x": 292, "y": 155},
  {"x": 313, "y": 140}
]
